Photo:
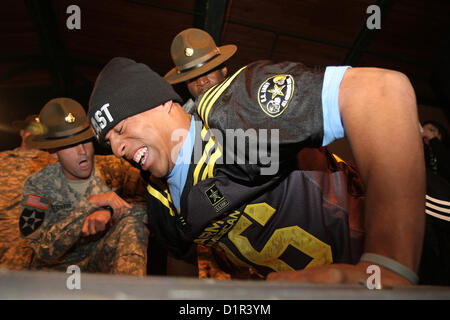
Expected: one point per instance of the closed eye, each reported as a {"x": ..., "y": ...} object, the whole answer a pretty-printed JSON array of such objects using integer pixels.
[{"x": 121, "y": 128}]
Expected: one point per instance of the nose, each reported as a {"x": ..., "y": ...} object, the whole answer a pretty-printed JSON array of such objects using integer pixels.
[
  {"x": 82, "y": 148},
  {"x": 201, "y": 81},
  {"x": 118, "y": 147}
]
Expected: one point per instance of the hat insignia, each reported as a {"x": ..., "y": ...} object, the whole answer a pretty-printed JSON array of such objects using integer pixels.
[
  {"x": 188, "y": 52},
  {"x": 70, "y": 118}
]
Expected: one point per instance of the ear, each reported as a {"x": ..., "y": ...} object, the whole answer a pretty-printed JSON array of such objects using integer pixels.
[
  {"x": 53, "y": 153},
  {"x": 224, "y": 71},
  {"x": 168, "y": 105}
]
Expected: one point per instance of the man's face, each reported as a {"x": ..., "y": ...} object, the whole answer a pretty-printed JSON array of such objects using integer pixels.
[
  {"x": 202, "y": 83},
  {"x": 77, "y": 160},
  {"x": 143, "y": 139},
  {"x": 430, "y": 132}
]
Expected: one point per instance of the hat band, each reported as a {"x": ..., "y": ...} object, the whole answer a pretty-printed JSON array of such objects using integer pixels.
[
  {"x": 68, "y": 136},
  {"x": 197, "y": 65}
]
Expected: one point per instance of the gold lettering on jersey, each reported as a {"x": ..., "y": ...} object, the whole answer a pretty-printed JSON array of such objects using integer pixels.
[
  {"x": 278, "y": 242},
  {"x": 275, "y": 93},
  {"x": 217, "y": 229}
]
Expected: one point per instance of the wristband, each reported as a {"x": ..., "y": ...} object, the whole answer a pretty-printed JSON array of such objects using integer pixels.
[{"x": 392, "y": 265}]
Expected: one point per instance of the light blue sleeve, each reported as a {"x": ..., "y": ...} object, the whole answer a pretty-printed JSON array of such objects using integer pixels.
[{"x": 332, "y": 122}]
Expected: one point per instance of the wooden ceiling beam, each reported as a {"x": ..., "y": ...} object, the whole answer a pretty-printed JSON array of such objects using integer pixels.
[
  {"x": 52, "y": 45},
  {"x": 365, "y": 35},
  {"x": 210, "y": 17}
]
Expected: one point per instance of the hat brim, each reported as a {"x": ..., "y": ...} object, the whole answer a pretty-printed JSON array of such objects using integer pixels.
[
  {"x": 226, "y": 52},
  {"x": 43, "y": 141},
  {"x": 19, "y": 125}
]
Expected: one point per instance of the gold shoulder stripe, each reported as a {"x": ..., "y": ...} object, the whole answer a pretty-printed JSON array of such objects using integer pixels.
[
  {"x": 200, "y": 164},
  {"x": 212, "y": 161},
  {"x": 205, "y": 96},
  {"x": 218, "y": 93},
  {"x": 164, "y": 200},
  {"x": 337, "y": 158}
]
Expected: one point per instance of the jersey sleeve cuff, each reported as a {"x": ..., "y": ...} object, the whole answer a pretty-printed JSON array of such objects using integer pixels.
[{"x": 332, "y": 122}]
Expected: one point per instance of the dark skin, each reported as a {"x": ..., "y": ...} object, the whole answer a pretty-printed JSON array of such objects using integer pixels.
[
  {"x": 199, "y": 85},
  {"x": 430, "y": 132}
]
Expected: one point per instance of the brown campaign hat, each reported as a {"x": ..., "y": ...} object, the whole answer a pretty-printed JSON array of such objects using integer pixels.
[
  {"x": 63, "y": 122},
  {"x": 23, "y": 124},
  {"x": 194, "y": 52}
]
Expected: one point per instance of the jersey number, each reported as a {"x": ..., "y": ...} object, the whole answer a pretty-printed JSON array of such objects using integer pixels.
[{"x": 281, "y": 238}]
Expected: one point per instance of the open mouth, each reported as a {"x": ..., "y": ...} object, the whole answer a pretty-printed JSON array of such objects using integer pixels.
[
  {"x": 84, "y": 164},
  {"x": 141, "y": 156}
]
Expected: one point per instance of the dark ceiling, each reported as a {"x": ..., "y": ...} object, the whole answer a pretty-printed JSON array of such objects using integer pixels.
[{"x": 41, "y": 58}]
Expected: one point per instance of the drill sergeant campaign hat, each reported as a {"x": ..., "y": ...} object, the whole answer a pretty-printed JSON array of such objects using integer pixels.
[
  {"x": 123, "y": 89},
  {"x": 63, "y": 122},
  {"x": 194, "y": 52},
  {"x": 24, "y": 124}
]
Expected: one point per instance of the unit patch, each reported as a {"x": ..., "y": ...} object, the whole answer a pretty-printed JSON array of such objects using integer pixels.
[
  {"x": 30, "y": 220},
  {"x": 275, "y": 93},
  {"x": 216, "y": 198}
]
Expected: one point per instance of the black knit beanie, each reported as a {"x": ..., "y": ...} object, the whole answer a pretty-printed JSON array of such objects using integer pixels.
[{"x": 123, "y": 89}]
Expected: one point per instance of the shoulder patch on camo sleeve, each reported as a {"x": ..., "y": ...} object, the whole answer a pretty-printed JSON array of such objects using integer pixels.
[
  {"x": 37, "y": 202},
  {"x": 275, "y": 93},
  {"x": 30, "y": 220}
]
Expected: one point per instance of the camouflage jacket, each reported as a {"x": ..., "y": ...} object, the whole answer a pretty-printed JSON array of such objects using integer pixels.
[
  {"x": 53, "y": 213},
  {"x": 16, "y": 166}
]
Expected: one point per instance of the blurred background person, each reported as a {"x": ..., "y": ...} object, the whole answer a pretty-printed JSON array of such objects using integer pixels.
[
  {"x": 435, "y": 262},
  {"x": 16, "y": 166},
  {"x": 437, "y": 154}
]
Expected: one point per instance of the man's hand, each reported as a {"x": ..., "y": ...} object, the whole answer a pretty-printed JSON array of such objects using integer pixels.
[
  {"x": 113, "y": 200},
  {"x": 96, "y": 222},
  {"x": 339, "y": 273}
]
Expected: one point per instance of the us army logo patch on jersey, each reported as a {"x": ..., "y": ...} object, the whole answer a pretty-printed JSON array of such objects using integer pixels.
[
  {"x": 275, "y": 93},
  {"x": 216, "y": 198},
  {"x": 30, "y": 220}
]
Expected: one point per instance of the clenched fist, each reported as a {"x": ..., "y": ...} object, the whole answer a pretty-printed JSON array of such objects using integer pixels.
[
  {"x": 95, "y": 222},
  {"x": 113, "y": 200}
]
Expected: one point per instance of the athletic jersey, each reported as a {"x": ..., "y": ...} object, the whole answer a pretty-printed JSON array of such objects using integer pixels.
[{"x": 286, "y": 220}]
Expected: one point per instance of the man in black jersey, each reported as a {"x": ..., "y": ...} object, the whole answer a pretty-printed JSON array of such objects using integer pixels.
[{"x": 265, "y": 213}]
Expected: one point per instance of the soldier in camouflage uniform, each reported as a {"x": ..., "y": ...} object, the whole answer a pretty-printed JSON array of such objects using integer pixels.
[
  {"x": 71, "y": 211},
  {"x": 16, "y": 166}
]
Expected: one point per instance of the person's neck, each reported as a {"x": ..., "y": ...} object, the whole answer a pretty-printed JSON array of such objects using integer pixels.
[{"x": 178, "y": 137}]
